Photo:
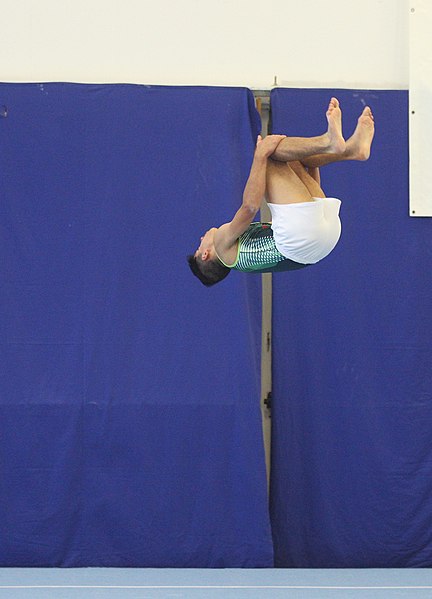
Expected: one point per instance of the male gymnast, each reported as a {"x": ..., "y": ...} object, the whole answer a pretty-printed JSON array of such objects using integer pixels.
[{"x": 305, "y": 224}]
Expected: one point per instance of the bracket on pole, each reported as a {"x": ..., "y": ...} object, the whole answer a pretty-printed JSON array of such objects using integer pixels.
[{"x": 262, "y": 103}]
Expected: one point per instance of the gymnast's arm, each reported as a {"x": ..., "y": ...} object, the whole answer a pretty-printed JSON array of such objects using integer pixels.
[{"x": 253, "y": 194}]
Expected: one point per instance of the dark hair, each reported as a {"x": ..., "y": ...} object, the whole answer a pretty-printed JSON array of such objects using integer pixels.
[{"x": 209, "y": 272}]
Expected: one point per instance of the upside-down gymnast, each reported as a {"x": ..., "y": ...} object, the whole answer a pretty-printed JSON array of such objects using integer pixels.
[{"x": 305, "y": 224}]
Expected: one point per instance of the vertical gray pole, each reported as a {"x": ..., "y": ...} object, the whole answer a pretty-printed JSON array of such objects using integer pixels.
[{"x": 262, "y": 100}]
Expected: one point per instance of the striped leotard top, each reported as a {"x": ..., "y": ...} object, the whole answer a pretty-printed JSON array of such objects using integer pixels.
[{"x": 258, "y": 253}]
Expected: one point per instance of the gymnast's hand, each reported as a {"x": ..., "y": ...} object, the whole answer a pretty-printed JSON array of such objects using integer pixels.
[{"x": 265, "y": 147}]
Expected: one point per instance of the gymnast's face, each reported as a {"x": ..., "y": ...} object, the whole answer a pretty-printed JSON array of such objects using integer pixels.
[{"x": 206, "y": 247}]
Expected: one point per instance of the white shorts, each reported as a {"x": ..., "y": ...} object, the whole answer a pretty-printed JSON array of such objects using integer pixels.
[{"x": 308, "y": 231}]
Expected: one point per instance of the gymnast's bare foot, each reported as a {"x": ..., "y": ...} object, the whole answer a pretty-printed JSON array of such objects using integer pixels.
[
  {"x": 359, "y": 144},
  {"x": 334, "y": 118}
]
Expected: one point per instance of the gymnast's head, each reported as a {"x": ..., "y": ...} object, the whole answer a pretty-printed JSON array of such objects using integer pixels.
[{"x": 205, "y": 264}]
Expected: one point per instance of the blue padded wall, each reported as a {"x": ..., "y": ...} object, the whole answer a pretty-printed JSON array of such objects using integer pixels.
[
  {"x": 352, "y": 449},
  {"x": 129, "y": 394}
]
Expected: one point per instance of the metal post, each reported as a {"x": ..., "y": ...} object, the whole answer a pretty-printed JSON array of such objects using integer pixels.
[{"x": 262, "y": 99}]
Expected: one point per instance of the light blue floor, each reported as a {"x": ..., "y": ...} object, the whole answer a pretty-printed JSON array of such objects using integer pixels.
[{"x": 112, "y": 583}]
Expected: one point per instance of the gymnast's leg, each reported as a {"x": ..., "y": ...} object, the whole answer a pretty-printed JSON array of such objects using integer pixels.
[
  {"x": 314, "y": 172},
  {"x": 290, "y": 183},
  {"x": 310, "y": 177},
  {"x": 287, "y": 180},
  {"x": 357, "y": 147}
]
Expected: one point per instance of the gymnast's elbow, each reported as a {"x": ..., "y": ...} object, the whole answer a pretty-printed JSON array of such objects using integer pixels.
[{"x": 250, "y": 207}]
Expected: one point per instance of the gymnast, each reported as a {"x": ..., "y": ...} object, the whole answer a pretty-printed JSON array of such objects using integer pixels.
[{"x": 305, "y": 224}]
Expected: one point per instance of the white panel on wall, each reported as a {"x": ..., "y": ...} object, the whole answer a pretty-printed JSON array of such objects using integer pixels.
[
  {"x": 312, "y": 43},
  {"x": 420, "y": 104}
]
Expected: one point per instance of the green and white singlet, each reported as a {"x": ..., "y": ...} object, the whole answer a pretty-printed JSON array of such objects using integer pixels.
[{"x": 258, "y": 253}]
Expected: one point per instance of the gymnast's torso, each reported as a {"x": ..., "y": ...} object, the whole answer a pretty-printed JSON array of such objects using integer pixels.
[{"x": 256, "y": 252}]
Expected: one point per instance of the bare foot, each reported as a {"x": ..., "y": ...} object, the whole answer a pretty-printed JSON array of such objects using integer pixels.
[
  {"x": 359, "y": 144},
  {"x": 334, "y": 118}
]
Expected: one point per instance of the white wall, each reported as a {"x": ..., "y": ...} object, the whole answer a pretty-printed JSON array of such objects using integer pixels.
[{"x": 324, "y": 43}]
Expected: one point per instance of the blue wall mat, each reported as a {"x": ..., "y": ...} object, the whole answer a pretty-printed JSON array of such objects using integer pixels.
[
  {"x": 352, "y": 446},
  {"x": 129, "y": 401}
]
